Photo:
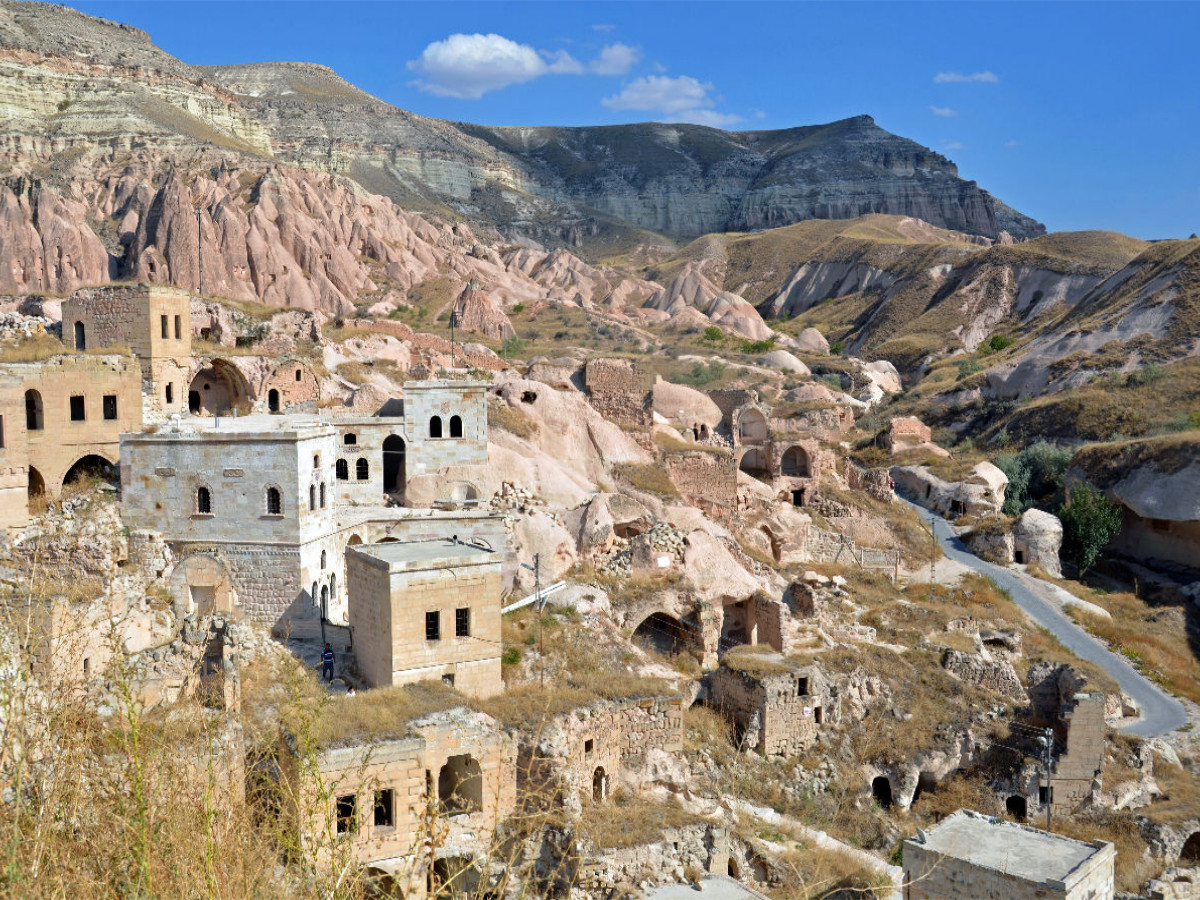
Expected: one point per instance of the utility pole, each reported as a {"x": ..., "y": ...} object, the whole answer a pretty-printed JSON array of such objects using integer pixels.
[
  {"x": 541, "y": 606},
  {"x": 200, "y": 249},
  {"x": 1044, "y": 738}
]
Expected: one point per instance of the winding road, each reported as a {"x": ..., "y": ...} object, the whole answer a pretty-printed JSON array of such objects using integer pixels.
[{"x": 1161, "y": 713}]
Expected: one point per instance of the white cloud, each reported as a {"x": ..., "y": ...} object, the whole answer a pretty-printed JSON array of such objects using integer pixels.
[
  {"x": 955, "y": 145},
  {"x": 615, "y": 59},
  {"x": 959, "y": 77},
  {"x": 1012, "y": 143},
  {"x": 944, "y": 111},
  {"x": 682, "y": 99},
  {"x": 758, "y": 113},
  {"x": 659, "y": 67},
  {"x": 562, "y": 63},
  {"x": 467, "y": 66},
  {"x": 604, "y": 28}
]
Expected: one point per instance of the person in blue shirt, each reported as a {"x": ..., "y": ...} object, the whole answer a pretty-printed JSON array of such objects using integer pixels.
[{"x": 327, "y": 663}]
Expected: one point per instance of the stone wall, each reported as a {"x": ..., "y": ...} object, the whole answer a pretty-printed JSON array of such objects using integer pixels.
[
  {"x": 706, "y": 480},
  {"x": 620, "y": 391},
  {"x": 444, "y": 400},
  {"x": 778, "y": 713}
]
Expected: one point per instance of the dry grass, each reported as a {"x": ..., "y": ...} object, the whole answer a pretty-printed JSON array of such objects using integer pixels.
[
  {"x": 34, "y": 349},
  {"x": 814, "y": 873},
  {"x": 650, "y": 478},
  {"x": 628, "y": 821},
  {"x": 1156, "y": 638},
  {"x": 510, "y": 419}
]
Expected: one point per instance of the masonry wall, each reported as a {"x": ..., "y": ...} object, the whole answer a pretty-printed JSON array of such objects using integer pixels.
[
  {"x": 62, "y": 441},
  {"x": 370, "y": 613},
  {"x": 779, "y": 719},
  {"x": 620, "y": 391},
  {"x": 1086, "y": 739},
  {"x": 14, "y": 455},
  {"x": 707, "y": 480},
  {"x": 931, "y": 876},
  {"x": 368, "y": 436},
  {"x": 423, "y": 400}
]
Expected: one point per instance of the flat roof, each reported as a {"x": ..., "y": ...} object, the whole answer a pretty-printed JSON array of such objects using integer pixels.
[
  {"x": 1007, "y": 847},
  {"x": 268, "y": 425},
  {"x": 415, "y": 556}
]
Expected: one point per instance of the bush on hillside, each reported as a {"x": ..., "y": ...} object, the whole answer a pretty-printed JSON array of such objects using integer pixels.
[
  {"x": 1036, "y": 477},
  {"x": 1090, "y": 520}
]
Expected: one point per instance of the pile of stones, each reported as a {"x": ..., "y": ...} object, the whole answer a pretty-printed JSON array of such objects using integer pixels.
[
  {"x": 512, "y": 497},
  {"x": 15, "y": 326},
  {"x": 662, "y": 537}
]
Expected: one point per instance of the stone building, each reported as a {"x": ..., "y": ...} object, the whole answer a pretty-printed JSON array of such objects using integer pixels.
[
  {"x": 586, "y": 752},
  {"x": 153, "y": 321},
  {"x": 975, "y": 857},
  {"x": 427, "y": 610},
  {"x": 60, "y": 418},
  {"x": 981, "y": 493},
  {"x": 448, "y": 776},
  {"x": 259, "y": 509},
  {"x": 777, "y": 707}
]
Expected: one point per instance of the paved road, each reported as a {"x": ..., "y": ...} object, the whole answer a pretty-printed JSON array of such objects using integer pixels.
[{"x": 1160, "y": 712}]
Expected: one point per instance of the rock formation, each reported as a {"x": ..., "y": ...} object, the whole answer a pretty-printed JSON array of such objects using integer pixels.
[{"x": 475, "y": 312}]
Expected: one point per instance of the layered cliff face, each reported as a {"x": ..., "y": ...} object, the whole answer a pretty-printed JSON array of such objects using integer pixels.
[{"x": 71, "y": 83}]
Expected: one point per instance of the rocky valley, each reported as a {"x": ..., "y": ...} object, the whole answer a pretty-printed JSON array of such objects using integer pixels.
[{"x": 397, "y": 507}]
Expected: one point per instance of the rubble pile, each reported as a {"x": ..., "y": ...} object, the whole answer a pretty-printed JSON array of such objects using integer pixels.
[
  {"x": 662, "y": 538},
  {"x": 512, "y": 497},
  {"x": 15, "y": 327}
]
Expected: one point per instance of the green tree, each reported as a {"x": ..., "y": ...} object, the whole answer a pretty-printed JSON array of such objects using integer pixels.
[
  {"x": 1036, "y": 477},
  {"x": 1090, "y": 520}
]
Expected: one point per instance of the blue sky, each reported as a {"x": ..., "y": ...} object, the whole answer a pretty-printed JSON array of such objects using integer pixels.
[{"x": 1083, "y": 115}]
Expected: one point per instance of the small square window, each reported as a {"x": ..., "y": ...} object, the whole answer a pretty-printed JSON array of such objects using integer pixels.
[
  {"x": 110, "y": 406},
  {"x": 77, "y": 409},
  {"x": 385, "y": 808},
  {"x": 462, "y": 622},
  {"x": 433, "y": 626},
  {"x": 589, "y": 745},
  {"x": 347, "y": 814},
  {"x": 448, "y": 679}
]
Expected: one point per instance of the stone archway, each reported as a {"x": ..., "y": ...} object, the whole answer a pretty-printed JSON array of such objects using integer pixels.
[
  {"x": 754, "y": 463},
  {"x": 460, "y": 785},
  {"x": 752, "y": 426},
  {"x": 201, "y": 584},
  {"x": 795, "y": 463},
  {"x": 1017, "y": 807},
  {"x": 663, "y": 632},
  {"x": 218, "y": 388},
  {"x": 1190, "y": 854},
  {"x": 91, "y": 465},
  {"x": 394, "y": 464}
]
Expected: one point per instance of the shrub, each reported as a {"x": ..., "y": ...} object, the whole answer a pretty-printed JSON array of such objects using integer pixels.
[
  {"x": 1145, "y": 375},
  {"x": 511, "y": 656},
  {"x": 1090, "y": 520},
  {"x": 969, "y": 366},
  {"x": 520, "y": 307},
  {"x": 712, "y": 334},
  {"x": 836, "y": 347},
  {"x": 703, "y": 374},
  {"x": 758, "y": 346},
  {"x": 512, "y": 346},
  {"x": 1036, "y": 477},
  {"x": 998, "y": 342}
]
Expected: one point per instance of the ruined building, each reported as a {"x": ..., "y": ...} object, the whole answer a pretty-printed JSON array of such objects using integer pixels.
[{"x": 777, "y": 707}]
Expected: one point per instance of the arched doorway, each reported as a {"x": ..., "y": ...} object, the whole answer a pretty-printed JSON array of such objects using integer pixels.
[
  {"x": 460, "y": 785},
  {"x": 218, "y": 388},
  {"x": 795, "y": 463},
  {"x": 80, "y": 336},
  {"x": 926, "y": 783},
  {"x": 354, "y": 541},
  {"x": 89, "y": 467},
  {"x": 662, "y": 633},
  {"x": 1017, "y": 807},
  {"x": 752, "y": 427},
  {"x": 34, "y": 415},
  {"x": 1191, "y": 849},
  {"x": 456, "y": 427},
  {"x": 599, "y": 785},
  {"x": 881, "y": 790},
  {"x": 273, "y": 400},
  {"x": 754, "y": 464},
  {"x": 37, "y": 484},
  {"x": 394, "y": 478}
]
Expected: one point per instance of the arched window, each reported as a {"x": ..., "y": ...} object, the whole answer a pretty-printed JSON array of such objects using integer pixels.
[
  {"x": 460, "y": 785},
  {"x": 322, "y": 495},
  {"x": 298, "y": 375},
  {"x": 333, "y": 587},
  {"x": 341, "y": 470},
  {"x": 350, "y": 439},
  {"x": 435, "y": 427},
  {"x": 273, "y": 400},
  {"x": 456, "y": 426},
  {"x": 274, "y": 502},
  {"x": 362, "y": 469},
  {"x": 312, "y": 496},
  {"x": 33, "y": 411},
  {"x": 80, "y": 337},
  {"x": 316, "y": 460},
  {"x": 323, "y": 560},
  {"x": 203, "y": 501}
]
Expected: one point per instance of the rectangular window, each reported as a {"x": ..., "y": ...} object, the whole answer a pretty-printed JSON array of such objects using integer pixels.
[
  {"x": 110, "y": 406},
  {"x": 589, "y": 745},
  {"x": 385, "y": 806},
  {"x": 1, "y": 432},
  {"x": 801, "y": 687},
  {"x": 77, "y": 409},
  {"x": 462, "y": 623},
  {"x": 163, "y": 322},
  {"x": 1161, "y": 524},
  {"x": 433, "y": 626},
  {"x": 817, "y": 716},
  {"x": 347, "y": 818},
  {"x": 178, "y": 328}
]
